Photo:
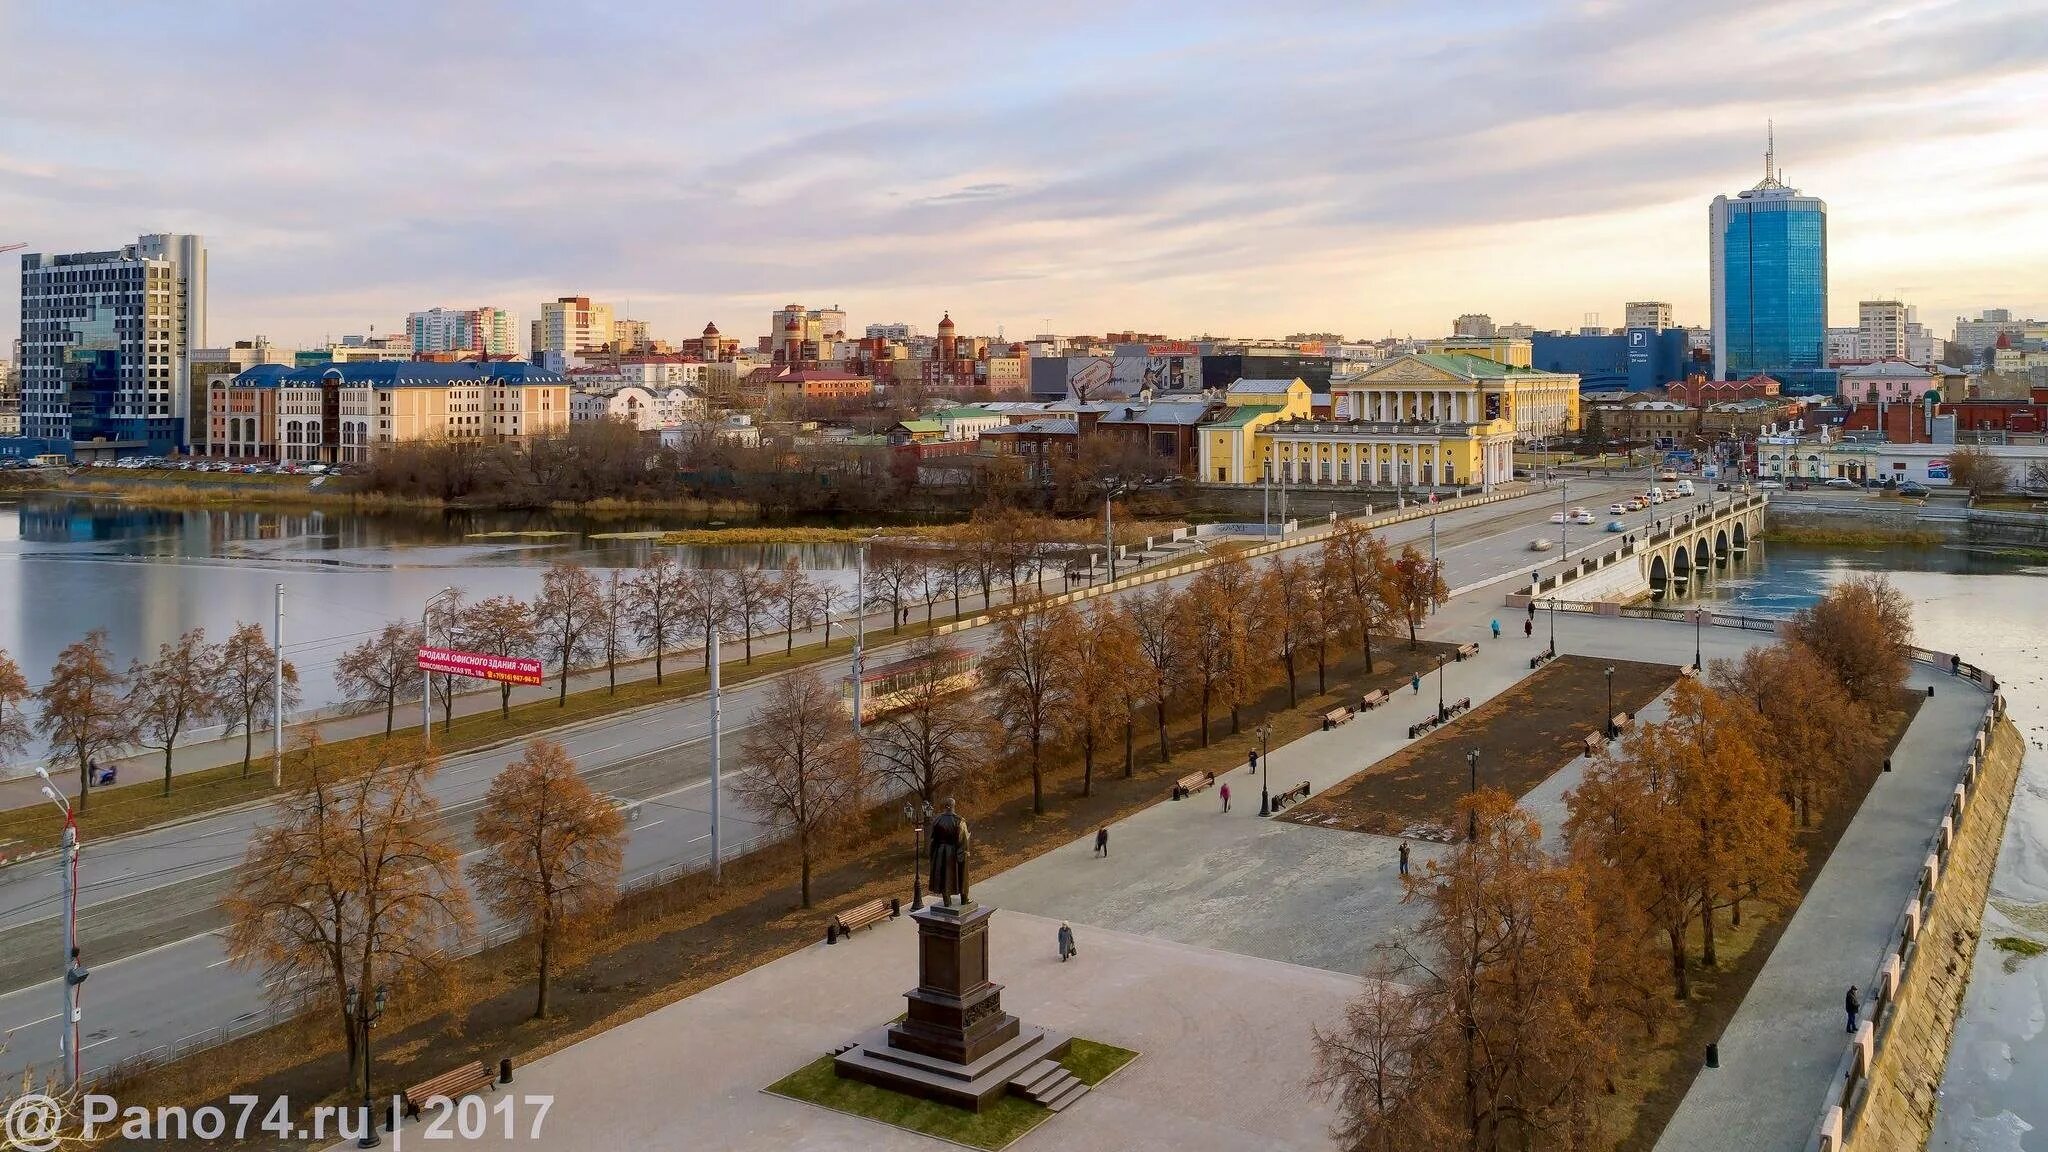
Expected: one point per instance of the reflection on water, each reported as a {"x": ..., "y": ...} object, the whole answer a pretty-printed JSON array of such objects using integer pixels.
[{"x": 69, "y": 565}]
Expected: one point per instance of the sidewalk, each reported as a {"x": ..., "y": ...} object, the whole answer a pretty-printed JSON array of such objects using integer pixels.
[{"x": 1780, "y": 1050}]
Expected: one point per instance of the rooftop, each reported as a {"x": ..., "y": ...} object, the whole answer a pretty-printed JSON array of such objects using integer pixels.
[
  {"x": 1240, "y": 415},
  {"x": 1263, "y": 387},
  {"x": 398, "y": 373}
]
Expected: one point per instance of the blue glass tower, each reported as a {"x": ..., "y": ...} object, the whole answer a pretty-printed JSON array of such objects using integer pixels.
[{"x": 1769, "y": 254}]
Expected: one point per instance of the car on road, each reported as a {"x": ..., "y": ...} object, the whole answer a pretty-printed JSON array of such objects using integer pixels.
[
  {"x": 1582, "y": 516},
  {"x": 1840, "y": 482},
  {"x": 1768, "y": 485},
  {"x": 1616, "y": 526},
  {"x": 1913, "y": 488},
  {"x": 1617, "y": 509},
  {"x": 1796, "y": 485},
  {"x": 1541, "y": 544},
  {"x": 1559, "y": 518},
  {"x": 1667, "y": 476}
]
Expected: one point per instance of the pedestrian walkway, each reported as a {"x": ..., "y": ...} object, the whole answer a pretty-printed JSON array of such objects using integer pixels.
[{"x": 1780, "y": 1050}]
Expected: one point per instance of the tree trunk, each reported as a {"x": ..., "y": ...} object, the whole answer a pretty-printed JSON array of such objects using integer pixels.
[
  {"x": 1411, "y": 633},
  {"x": 504, "y": 701},
  {"x": 1037, "y": 777},
  {"x": 657, "y": 662},
  {"x": 1206, "y": 693},
  {"x": 1087, "y": 763},
  {"x": 1165, "y": 753},
  {"x": 540, "y": 999},
  {"x": 84, "y": 779},
  {"x": 1707, "y": 954},
  {"x": 611, "y": 671},
  {"x": 1130, "y": 749},
  {"x": 562, "y": 689},
  {"x": 248, "y": 742},
  {"x": 390, "y": 708},
  {"x": 748, "y": 639},
  {"x": 167, "y": 766},
  {"x": 1365, "y": 638},
  {"x": 1322, "y": 673},
  {"x": 448, "y": 703},
  {"x": 1291, "y": 694},
  {"x": 1683, "y": 989},
  {"x": 803, "y": 848}
]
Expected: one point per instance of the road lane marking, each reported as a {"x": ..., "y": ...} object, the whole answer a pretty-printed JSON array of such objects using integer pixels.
[{"x": 33, "y": 1023}]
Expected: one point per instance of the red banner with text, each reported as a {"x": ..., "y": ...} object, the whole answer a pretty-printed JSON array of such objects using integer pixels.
[{"x": 480, "y": 666}]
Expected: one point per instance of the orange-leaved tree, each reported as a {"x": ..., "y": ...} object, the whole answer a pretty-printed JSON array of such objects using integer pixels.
[
  {"x": 551, "y": 850},
  {"x": 1104, "y": 657},
  {"x": 382, "y": 670},
  {"x": 1027, "y": 666},
  {"x": 1862, "y": 629},
  {"x": 14, "y": 697},
  {"x": 1152, "y": 616},
  {"x": 177, "y": 690},
  {"x": 84, "y": 709},
  {"x": 351, "y": 887},
  {"x": 249, "y": 676}
]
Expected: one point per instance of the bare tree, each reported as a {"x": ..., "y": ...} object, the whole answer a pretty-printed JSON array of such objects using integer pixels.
[
  {"x": 614, "y": 627},
  {"x": 749, "y": 597},
  {"x": 551, "y": 851},
  {"x": 248, "y": 684},
  {"x": 381, "y": 670},
  {"x": 354, "y": 886},
  {"x": 1152, "y": 614},
  {"x": 84, "y": 710},
  {"x": 14, "y": 697},
  {"x": 795, "y": 599},
  {"x": 566, "y": 617},
  {"x": 891, "y": 573},
  {"x": 179, "y": 689},
  {"x": 935, "y": 742},
  {"x": 804, "y": 770},
  {"x": 1975, "y": 470},
  {"x": 660, "y": 598},
  {"x": 706, "y": 608},
  {"x": 1027, "y": 666},
  {"x": 501, "y": 626}
]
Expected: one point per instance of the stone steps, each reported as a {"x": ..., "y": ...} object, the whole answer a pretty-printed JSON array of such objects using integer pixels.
[
  {"x": 1049, "y": 1084},
  {"x": 1075, "y": 1090}
]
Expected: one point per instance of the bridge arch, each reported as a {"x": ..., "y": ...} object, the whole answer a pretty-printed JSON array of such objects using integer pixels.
[
  {"x": 1700, "y": 558},
  {"x": 1660, "y": 574},
  {"x": 1721, "y": 545},
  {"x": 1681, "y": 564},
  {"x": 1741, "y": 535}
]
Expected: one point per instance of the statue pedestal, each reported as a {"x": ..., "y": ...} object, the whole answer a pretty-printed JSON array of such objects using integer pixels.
[{"x": 955, "y": 1045}]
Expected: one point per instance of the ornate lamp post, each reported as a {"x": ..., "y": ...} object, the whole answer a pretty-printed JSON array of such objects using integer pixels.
[
  {"x": 919, "y": 814},
  {"x": 1472, "y": 789},
  {"x": 1607, "y": 726},
  {"x": 367, "y": 1020},
  {"x": 1260, "y": 758}
]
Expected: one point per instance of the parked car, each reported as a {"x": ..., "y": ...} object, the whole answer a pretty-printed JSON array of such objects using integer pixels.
[
  {"x": 1913, "y": 488},
  {"x": 1796, "y": 485},
  {"x": 1840, "y": 482},
  {"x": 1768, "y": 485}
]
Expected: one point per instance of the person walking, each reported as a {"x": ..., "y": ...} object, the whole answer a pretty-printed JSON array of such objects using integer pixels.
[
  {"x": 1404, "y": 858},
  {"x": 1532, "y": 611},
  {"x": 1415, "y": 683},
  {"x": 1067, "y": 948},
  {"x": 1225, "y": 793},
  {"x": 1529, "y": 627},
  {"x": 1102, "y": 841},
  {"x": 1496, "y": 629},
  {"x": 1854, "y": 1003}
]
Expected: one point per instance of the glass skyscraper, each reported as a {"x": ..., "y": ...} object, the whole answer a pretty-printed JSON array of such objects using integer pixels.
[{"x": 1769, "y": 254}]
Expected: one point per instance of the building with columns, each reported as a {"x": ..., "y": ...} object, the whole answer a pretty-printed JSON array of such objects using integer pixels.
[{"x": 1460, "y": 388}]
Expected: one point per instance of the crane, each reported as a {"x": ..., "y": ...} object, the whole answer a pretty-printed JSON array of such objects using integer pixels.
[{"x": 6, "y": 248}]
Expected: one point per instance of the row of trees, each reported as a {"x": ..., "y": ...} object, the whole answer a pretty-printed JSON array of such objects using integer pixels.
[
  {"x": 1078, "y": 679},
  {"x": 89, "y": 709},
  {"x": 357, "y": 884},
  {"x": 1501, "y": 1022}
]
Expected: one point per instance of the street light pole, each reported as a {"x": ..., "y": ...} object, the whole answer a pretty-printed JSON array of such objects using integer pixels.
[
  {"x": 1472, "y": 789},
  {"x": 717, "y": 720},
  {"x": 1265, "y": 797},
  {"x": 426, "y": 677},
  {"x": 917, "y": 812},
  {"x": 74, "y": 975},
  {"x": 1440, "y": 662},
  {"x": 860, "y": 625},
  {"x": 1109, "y": 530},
  {"x": 368, "y": 1020},
  {"x": 277, "y": 691},
  {"x": 1564, "y": 522},
  {"x": 1697, "y": 615},
  {"x": 1608, "y": 726},
  {"x": 1553, "y": 627}
]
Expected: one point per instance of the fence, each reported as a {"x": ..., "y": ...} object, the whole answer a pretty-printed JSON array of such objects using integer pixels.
[
  {"x": 1849, "y": 1088},
  {"x": 301, "y": 1003}
]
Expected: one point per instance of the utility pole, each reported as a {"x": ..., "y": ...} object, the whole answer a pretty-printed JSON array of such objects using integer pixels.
[
  {"x": 860, "y": 626},
  {"x": 277, "y": 692},
  {"x": 1109, "y": 530},
  {"x": 74, "y": 973},
  {"x": 717, "y": 853}
]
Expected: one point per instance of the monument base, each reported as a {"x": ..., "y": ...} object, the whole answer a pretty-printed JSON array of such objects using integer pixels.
[{"x": 971, "y": 1086}]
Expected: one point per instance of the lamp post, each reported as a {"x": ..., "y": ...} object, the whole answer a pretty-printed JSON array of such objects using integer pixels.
[
  {"x": 368, "y": 1020},
  {"x": 917, "y": 813},
  {"x": 1564, "y": 522},
  {"x": 1472, "y": 789},
  {"x": 1440, "y": 662},
  {"x": 1112, "y": 489},
  {"x": 1697, "y": 615},
  {"x": 426, "y": 677},
  {"x": 1607, "y": 725},
  {"x": 1261, "y": 757},
  {"x": 1553, "y": 627},
  {"x": 74, "y": 973}
]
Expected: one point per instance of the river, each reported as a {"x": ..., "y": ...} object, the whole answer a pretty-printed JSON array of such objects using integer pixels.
[{"x": 1994, "y": 610}]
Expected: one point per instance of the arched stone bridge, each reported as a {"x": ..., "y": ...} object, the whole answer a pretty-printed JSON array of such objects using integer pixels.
[{"x": 1675, "y": 552}]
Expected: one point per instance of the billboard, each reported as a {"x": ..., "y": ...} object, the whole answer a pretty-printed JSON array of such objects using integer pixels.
[
  {"x": 481, "y": 666},
  {"x": 1937, "y": 469},
  {"x": 1168, "y": 372}
]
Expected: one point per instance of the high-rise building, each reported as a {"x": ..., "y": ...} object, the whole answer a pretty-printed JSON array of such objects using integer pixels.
[
  {"x": 1881, "y": 329},
  {"x": 574, "y": 327},
  {"x": 488, "y": 330},
  {"x": 1769, "y": 269},
  {"x": 1652, "y": 314},
  {"x": 106, "y": 338},
  {"x": 1474, "y": 324}
]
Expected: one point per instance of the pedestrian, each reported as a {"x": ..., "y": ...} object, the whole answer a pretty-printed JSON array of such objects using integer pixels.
[
  {"x": 1529, "y": 627},
  {"x": 1854, "y": 1003},
  {"x": 1225, "y": 792},
  {"x": 1496, "y": 629},
  {"x": 1415, "y": 683},
  {"x": 1102, "y": 841},
  {"x": 1404, "y": 858},
  {"x": 1253, "y": 766},
  {"x": 1532, "y": 610},
  {"x": 1067, "y": 948}
]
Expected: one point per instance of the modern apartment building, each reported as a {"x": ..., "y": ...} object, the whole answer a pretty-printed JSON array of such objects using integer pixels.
[
  {"x": 1473, "y": 324},
  {"x": 106, "y": 338},
  {"x": 574, "y": 327},
  {"x": 341, "y": 413},
  {"x": 1652, "y": 314},
  {"x": 487, "y": 330},
  {"x": 1768, "y": 263},
  {"x": 1881, "y": 329}
]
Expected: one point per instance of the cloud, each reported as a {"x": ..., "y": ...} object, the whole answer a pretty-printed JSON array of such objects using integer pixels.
[{"x": 1190, "y": 167}]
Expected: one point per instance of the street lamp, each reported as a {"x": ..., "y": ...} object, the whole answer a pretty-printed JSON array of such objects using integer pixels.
[
  {"x": 1607, "y": 726},
  {"x": 426, "y": 677},
  {"x": 1472, "y": 789},
  {"x": 1564, "y": 522},
  {"x": 368, "y": 1020},
  {"x": 74, "y": 973},
  {"x": 1110, "y": 490},
  {"x": 1440, "y": 662},
  {"x": 1553, "y": 628},
  {"x": 1697, "y": 615},
  {"x": 918, "y": 813},
  {"x": 1259, "y": 760}
]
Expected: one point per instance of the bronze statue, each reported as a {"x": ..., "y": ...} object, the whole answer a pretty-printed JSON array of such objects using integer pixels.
[{"x": 949, "y": 838}]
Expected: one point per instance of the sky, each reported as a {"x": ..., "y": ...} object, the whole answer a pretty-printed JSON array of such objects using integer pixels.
[{"x": 1365, "y": 167}]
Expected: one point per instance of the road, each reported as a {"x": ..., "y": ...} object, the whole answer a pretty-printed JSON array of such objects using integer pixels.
[{"x": 148, "y": 927}]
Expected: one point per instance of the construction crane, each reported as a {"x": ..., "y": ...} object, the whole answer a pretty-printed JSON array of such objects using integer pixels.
[{"x": 6, "y": 248}]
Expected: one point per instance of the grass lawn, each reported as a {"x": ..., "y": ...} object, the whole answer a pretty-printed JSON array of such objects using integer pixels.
[{"x": 996, "y": 1127}]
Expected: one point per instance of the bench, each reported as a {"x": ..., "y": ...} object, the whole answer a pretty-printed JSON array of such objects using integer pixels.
[
  {"x": 1594, "y": 743},
  {"x": 1463, "y": 704},
  {"x": 1689, "y": 672},
  {"x": 1372, "y": 700},
  {"x": 1292, "y": 795},
  {"x": 1618, "y": 724},
  {"x": 467, "y": 1080},
  {"x": 860, "y": 916},
  {"x": 1538, "y": 660},
  {"x": 1335, "y": 716},
  {"x": 1192, "y": 783},
  {"x": 1466, "y": 650}
]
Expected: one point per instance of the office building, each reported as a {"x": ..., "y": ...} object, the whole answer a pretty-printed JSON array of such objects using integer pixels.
[
  {"x": 1768, "y": 263},
  {"x": 574, "y": 327},
  {"x": 487, "y": 331},
  {"x": 1477, "y": 325},
  {"x": 1641, "y": 359},
  {"x": 1881, "y": 329},
  {"x": 10, "y": 399},
  {"x": 106, "y": 338},
  {"x": 1652, "y": 314}
]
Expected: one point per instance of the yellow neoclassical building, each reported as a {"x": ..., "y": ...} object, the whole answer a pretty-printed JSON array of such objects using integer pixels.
[{"x": 1230, "y": 447}]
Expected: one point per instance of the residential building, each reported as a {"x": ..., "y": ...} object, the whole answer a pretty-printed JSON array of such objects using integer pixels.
[
  {"x": 1881, "y": 329},
  {"x": 1886, "y": 381},
  {"x": 10, "y": 399},
  {"x": 1167, "y": 430},
  {"x": 648, "y": 409},
  {"x": 211, "y": 364},
  {"x": 342, "y": 413},
  {"x": 1980, "y": 334},
  {"x": 488, "y": 331},
  {"x": 902, "y": 332},
  {"x": 1515, "y": 331},
  {"x": 1768, "y": 265},
  {"x": 784, "y": 388},
  {"x": 1698, "y": 389},
  {"x": 800, "y": 337},
  {"x": 575, "y": 328},
  {"x": 1844, "y": 344},
  {"x": 1746, "y": 419},
  {"x": 1922, "y": 346},
  {"x": 633, "y": 336},
  {"x": 1476, "y": 325},
  {"x": 106, "y": 338},
  {"x": 1653, "y": 421},
  {"x": 357, "y": 349},
  {"x": 1652, "y": 314},
  {"x": 967, "y": 421}
]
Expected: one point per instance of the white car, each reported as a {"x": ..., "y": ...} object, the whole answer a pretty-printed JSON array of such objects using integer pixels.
[
  {"x": 1618, "y": 509},
  {"x": 1582, "y": 516},
  {"x": 1559, "y": 518},
  {"x": 1768, "y": 485},
  {"x": 1840, "y": 482}
]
